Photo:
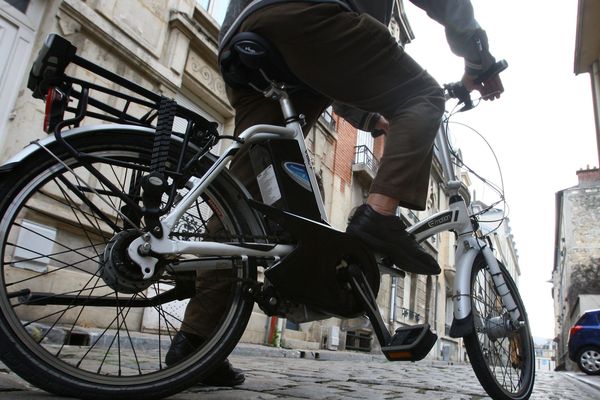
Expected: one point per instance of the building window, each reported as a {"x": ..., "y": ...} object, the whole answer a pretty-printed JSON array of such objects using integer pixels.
[
  {"x": 216, "y": 8},
  {"x": 191, "y": 101},
  {"x": 291, "y": 325},
  {"x": 407, "y": 291},
  {"x": 35, "y": 241},
  {"x": 363, "y": 152},
  {"x": 20, "y": 5},
  {"x": 327, "y": 117},
  {"x": 365, "y": 139},
  {"x": 359, "y": 340}
]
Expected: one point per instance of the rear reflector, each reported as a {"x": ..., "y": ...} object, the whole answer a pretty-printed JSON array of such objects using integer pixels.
[{"x": 55, "y": 109}]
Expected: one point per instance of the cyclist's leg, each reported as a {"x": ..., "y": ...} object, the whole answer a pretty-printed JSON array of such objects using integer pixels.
[
  {"x": 252, "y": 108},
  {"x": 353, "y": 59}
]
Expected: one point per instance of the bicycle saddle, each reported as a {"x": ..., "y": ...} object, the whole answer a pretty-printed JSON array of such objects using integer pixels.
[{"x": 248, "y": 56}]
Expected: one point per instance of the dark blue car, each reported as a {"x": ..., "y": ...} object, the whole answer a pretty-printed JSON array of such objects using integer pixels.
[{"x": 584, "y": 342}]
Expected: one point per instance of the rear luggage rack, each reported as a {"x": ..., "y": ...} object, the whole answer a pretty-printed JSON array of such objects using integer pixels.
[
  {"x": 125, "y": 102},
  {"x": 48, "y": 71}
]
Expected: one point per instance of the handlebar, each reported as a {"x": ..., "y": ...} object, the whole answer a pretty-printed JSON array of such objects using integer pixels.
[{"x": 458, "y": 91}]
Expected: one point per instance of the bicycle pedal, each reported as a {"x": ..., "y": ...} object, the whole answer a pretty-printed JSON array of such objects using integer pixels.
[{"x": 410, "y": 343}]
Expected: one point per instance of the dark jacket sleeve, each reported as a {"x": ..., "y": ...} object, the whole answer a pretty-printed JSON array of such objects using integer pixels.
[
  {"x": 359, "y": 119},
  {"x": 465, "y": 36}
]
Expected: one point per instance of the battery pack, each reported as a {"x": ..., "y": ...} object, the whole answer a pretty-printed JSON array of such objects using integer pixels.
[{"x": 282, "y": 177}]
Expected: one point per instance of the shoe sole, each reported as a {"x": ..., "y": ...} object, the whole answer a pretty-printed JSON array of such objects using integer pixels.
[{"x": 380, "y": 246}]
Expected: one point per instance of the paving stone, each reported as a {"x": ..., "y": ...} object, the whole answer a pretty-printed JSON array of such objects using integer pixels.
[{"x": 293, "y": 378}]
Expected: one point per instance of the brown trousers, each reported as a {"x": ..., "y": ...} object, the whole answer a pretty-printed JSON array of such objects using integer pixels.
[{"x": 352, "y": 59}]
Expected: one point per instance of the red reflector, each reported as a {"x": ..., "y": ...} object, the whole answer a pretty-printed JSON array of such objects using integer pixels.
[
  {"x": 574, "y": 330},
  {"x": 53, "y": 107}
]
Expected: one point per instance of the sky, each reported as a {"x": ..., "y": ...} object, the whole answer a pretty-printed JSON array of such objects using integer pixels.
[{"x": 541, "y": 129}]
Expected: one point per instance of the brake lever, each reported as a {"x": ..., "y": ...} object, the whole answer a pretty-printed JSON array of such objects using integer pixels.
[{"x": 458, "y": 91}]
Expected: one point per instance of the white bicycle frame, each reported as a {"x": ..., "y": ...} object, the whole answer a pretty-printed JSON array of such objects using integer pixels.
[{"x": 456, "y": 218}]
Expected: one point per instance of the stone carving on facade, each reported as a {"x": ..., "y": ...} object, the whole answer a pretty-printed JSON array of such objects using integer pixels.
[{"x": 206, "y": 75}]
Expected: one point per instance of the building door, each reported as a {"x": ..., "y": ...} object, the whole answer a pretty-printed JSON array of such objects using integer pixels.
[
  {"x": 364, "y": 150},
  {"x": 365, "y": 139},
  {"x": 19, "y": 21}
]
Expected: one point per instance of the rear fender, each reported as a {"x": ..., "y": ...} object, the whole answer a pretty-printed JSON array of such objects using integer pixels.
[{"x": 50, "y": 142}]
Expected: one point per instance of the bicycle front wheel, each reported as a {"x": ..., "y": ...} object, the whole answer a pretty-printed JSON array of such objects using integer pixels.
[
  {"x": 502, "y": 355},
  {"x": 76, "y": 317}
]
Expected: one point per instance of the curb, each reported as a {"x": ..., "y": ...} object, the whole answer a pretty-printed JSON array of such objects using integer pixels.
[
  {"x": 255, "y": 350},
  {"x": 590, "y": 381},
  {"x": 149, "y": 341}
]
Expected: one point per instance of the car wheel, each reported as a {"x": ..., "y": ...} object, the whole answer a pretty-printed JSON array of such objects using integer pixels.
[{"x": 589, "y": 360}]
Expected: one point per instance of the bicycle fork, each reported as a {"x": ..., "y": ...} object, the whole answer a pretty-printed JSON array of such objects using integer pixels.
[
  {"x": 463, "y": 313},
  {"x": 413, "y": 343}
]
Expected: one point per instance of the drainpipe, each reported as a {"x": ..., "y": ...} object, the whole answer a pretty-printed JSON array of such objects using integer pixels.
[
  {"x": 435, "y": 304},
  {"x": 393, "y": 302},
  {"x": 274, "y": 332},
  {"x": 596, "y": 97}
]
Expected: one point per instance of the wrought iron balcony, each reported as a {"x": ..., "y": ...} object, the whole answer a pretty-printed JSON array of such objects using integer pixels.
[
  {"x": 365, "y": 164},
  {"x": 410, "y": 314}
]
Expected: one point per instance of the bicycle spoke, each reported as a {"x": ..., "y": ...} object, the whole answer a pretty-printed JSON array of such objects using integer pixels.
[
  {"x": 499, "y": 352},
  {"x": 54, "y": 292}
]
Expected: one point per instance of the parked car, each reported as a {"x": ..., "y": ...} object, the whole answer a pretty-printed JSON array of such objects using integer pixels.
[{"x": 584, "y": 342}]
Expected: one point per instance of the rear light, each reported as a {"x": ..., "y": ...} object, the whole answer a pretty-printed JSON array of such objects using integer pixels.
[
  {"x": 56, "y": 102},
  {"x": 574, "y": 330}
]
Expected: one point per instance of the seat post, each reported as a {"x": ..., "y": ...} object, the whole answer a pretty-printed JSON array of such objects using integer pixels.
[
  {"x": 278, "y": 92},
  {"x": 295, "y": 121}
]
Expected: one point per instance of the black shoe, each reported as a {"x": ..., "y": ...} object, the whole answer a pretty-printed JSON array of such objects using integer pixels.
[
  {"x": 184, "y": 344},
  {"x": 225, "y": 375},
  {"x": 387, "y": 234}
]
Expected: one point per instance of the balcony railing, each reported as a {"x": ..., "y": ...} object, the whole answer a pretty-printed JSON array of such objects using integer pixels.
[
  {"x": 410, "y": 314},
  {"x": 364, "y": 156}
]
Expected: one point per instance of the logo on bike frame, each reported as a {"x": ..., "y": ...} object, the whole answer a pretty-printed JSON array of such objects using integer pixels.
[
  {"x": 447, "y": 217},
  {"x": 298, "y": 173},
  {"x": 442, "y": 219}
]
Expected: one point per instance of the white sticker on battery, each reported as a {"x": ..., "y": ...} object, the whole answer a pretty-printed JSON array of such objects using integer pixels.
[{"x": 269, "y": 188}]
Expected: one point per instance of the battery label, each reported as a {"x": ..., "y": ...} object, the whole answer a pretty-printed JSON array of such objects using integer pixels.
[
  {"x": 298, "y": 173},
  {"x": 267, "y": 183}
]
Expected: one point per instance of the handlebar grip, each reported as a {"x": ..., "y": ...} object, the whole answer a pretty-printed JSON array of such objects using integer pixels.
[{"x": 495, "y": 69}]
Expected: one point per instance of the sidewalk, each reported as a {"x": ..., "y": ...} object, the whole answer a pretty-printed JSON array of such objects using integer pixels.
[{"x": 591, "y": 380}]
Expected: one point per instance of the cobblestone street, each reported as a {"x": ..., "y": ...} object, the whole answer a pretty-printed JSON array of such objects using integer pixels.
[{"x": 285, "y": 375}]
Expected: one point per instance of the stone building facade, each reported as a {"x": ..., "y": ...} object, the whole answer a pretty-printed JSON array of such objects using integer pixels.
[
  {"x": 587, "y": 53},
  {"x": 170, "y": 46},
  {"x": 577, "y": 244},
  {"x": 577, "y": 230}
]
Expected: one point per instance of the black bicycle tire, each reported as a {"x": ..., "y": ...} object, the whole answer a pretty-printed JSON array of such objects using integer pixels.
[
  {"x": 476, "y": 354},
  {"x": 17, "y": 355}
]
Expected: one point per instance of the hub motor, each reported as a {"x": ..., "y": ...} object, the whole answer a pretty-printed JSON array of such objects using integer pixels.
[{"x": 118, "y": 271}]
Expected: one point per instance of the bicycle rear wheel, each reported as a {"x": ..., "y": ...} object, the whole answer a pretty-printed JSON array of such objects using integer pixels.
[
  {"x": 502, "y": 355},
  {"x": 63, "y": 325}
]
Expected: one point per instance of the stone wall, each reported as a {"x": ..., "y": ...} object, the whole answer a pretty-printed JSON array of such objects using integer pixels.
[{"x": 578, "y": 242}]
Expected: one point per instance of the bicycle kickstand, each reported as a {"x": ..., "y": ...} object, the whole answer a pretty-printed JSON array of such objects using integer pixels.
[{"x": 409, "y": 343}]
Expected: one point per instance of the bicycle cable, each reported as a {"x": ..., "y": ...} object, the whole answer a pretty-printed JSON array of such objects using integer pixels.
[{"x": 458, "y": 161}]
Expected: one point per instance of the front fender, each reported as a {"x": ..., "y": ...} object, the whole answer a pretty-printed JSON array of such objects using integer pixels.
[{"x": 462, "y": 324}]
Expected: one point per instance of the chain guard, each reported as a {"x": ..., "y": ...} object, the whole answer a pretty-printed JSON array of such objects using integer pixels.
[{"x": 311, "y": 273}]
